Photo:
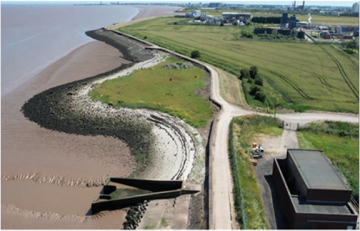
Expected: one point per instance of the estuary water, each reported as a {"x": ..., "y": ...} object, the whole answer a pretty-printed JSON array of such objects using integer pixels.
[{"x": 36, "y": 35}]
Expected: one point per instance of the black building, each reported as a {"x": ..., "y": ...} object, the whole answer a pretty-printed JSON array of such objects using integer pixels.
[{"x": 312, "y": 193}]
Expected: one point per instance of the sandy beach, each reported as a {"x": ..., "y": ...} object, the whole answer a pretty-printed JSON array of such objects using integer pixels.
[{"x": 30, "y": 151}]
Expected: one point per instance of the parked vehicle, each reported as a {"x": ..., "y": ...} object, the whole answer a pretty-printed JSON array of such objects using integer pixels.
[{"x": 257, "y": 151}]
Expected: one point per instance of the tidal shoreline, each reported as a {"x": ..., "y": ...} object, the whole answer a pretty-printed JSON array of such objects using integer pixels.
[{"x": 52, "y": 156}]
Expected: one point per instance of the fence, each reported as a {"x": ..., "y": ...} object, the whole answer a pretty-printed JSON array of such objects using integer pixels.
[
  {"x": 235, "y": 172},
  {"x": 290, "y": 126}
]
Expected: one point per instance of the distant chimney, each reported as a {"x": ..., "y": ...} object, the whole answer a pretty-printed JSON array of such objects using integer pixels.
[{"x": 303, "y": 7}]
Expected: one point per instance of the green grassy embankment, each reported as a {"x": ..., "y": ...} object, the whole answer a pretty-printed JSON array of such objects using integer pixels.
[
  {"x": 340, "y": 143},
  {"x": 170, "y": 91},
  {"x": 247, "y": 190},
  {"x": 301, "y": 76}
]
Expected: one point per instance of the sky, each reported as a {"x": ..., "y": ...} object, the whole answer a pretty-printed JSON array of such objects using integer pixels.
[{"x": 307, "y": 3}]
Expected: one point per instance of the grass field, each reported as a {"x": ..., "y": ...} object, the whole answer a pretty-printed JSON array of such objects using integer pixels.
[
  {"x": 301, "y": 75},
  {"x": 340, "y": 143},
  {"x": 243, "y": 131},
  {"x": 168, "y": 90}
]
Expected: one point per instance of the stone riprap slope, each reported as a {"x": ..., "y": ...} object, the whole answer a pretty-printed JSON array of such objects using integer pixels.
[{"x": 167, "y": 145}]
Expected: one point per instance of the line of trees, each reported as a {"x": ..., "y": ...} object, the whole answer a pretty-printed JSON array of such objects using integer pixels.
[{"x": 253, "y": 83}]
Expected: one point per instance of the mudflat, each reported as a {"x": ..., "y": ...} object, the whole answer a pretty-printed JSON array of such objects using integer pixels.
[{"x": 77, "y": 164}]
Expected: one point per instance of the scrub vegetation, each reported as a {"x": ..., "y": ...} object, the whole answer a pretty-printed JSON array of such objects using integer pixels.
[
  {"x": 300, "y": 76},
  {"x": 246, "y": 189},
  {"x": 340, "y": 143},
  {"x": 173, "y": 91}
]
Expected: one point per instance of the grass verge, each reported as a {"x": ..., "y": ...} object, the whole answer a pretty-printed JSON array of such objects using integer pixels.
[
  {"x": 340, "y": 143},
  {"x": 247, "y": 196},
  {"x": 230, "y": 88},
  {"x": 172, "y": 91},
  {"x": 163, "y": 222}
]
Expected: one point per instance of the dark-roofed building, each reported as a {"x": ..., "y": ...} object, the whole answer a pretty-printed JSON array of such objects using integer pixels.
[{"x": 312, "y": 193}]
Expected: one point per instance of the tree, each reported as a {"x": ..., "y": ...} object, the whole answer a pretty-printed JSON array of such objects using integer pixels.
[
  {"x": 253, "y": 72},
  {"x": 195, "y": 54},
  {"x": 244, "y": 74}
]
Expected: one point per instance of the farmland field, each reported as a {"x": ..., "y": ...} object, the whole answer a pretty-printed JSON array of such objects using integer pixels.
[{"x": 301, "y": 75}]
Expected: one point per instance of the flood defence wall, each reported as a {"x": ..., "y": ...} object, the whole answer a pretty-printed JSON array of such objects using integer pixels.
[
  {"x": 151, "y": 185},
  {"x": 131, "y": 201}
]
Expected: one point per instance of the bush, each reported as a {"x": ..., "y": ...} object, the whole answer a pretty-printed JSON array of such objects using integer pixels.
[
  {"x": 253, "y": 72},
  {"x": 246, "y": 34},
  {"x": 195, "y": 54},
  {"x": 235, "y": 23},
  {"x": 260, "y": 96},
  {"x": 244, "y": 73},
  {"x": 350, "y": 51},
  {"x": 258, "y": 80},
  {"x": 352, "y": 44},
  {"x": 145, "y": 37},
  {"x": 221, "y": 24},
  {"x": 254, "y": 89}
]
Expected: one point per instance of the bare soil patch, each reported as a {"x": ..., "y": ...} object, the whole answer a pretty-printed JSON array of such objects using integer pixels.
[{"x": 271, "y": 144}]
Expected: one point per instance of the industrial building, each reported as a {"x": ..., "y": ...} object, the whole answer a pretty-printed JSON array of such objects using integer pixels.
[
  {"x": 298, "y": 8},
  {"x": 313, "y": 195},
  {"x": 195, "y": 14},
  {"x": 284, "y": 20},
  {"x": 355, "y": 7},
  {"x": 231, "y": 16},
  {"x": 356, "y": 32},
  {"x": 292, "y": 22}
]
